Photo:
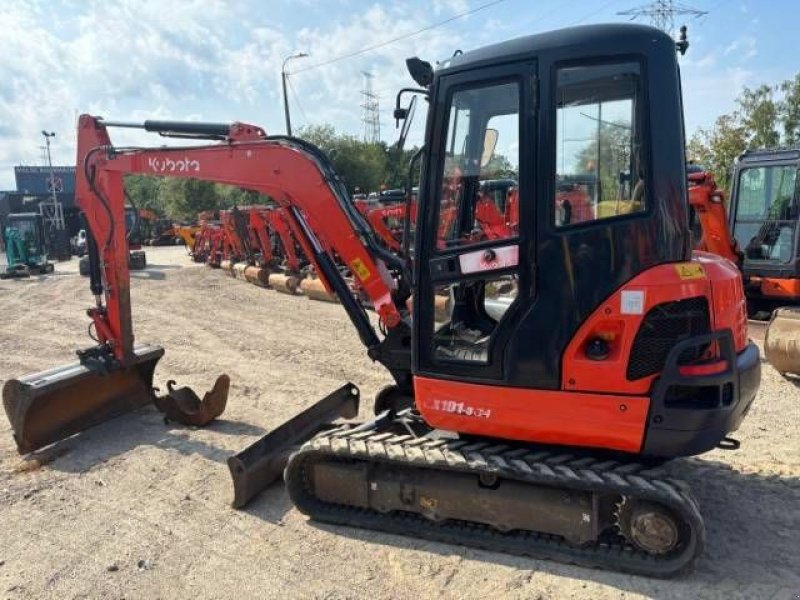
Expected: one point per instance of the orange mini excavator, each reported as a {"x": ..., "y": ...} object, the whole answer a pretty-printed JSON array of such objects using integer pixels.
[{"x": 573, "y": 358}]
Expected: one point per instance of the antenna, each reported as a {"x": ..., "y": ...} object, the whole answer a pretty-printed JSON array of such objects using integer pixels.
[{"x": 662, "y": 13}]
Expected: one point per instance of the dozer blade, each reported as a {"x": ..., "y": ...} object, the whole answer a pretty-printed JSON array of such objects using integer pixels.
[
  {"x": 782, "y": 341},
  {"x": 183, "y": 405},
  {"x": 261, "y": 463},
  {"x": 52, "y": 405}
]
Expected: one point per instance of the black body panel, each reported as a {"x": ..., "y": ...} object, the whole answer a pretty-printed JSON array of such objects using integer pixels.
[{"x": 691, "y": 414}]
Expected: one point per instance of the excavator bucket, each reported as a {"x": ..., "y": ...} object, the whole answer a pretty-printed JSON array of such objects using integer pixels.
[
  {"x": 184, "y": 406},
  {"x": 782, "y": 340},
  {"x": 261, "y": 463},
  {"x": 51, "y": 405}
]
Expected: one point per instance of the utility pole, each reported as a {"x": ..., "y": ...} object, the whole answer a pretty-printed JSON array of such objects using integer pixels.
[
  {"x": 662, "y": 13},
  {"x": 371, "y": 115},
  {"x": 284, "y": 76}
]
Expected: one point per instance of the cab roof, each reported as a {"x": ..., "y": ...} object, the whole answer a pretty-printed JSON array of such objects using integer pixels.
[{"x": 588, "y": 39}]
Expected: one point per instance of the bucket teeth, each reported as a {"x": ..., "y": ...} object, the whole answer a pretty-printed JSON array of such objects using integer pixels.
[{"x": 182, "y": 404}]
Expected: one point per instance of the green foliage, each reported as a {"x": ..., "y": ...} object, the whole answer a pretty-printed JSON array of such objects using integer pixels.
[
  {"x": 790, "y": 109},
  {"x": 757, "y": 122},
  {"x": 758, "y": 113},
  {"x": 718, "y": 147},
  {"x": 360, "y": 164}
]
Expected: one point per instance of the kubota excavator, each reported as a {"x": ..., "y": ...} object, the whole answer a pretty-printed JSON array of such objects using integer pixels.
[{"x": 535, "y": 429}]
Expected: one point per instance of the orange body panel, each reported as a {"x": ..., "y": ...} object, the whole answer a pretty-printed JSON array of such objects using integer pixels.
[
  {"x": 546, "y": 416},
  {"x": 718, "y": 280},
  {"x": 597, "y": 406},
  {"x": 773, "y": 287}
]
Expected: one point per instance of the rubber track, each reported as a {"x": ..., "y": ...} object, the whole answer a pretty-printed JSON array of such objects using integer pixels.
[{"x": 519, "y": 463}]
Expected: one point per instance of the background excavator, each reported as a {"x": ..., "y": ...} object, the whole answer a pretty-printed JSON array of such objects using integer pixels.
[
  {"x": 25, "y": 245},
  {"x": 714, "y": 231},
  {"x": 535, "y": 425}
]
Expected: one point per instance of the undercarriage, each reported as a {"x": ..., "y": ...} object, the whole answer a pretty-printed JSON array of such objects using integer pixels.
[{"x": 398, "y": 476}]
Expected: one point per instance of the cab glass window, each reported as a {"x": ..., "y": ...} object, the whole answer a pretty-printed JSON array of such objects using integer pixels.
[
  {"x": 600, "y": 169},
  {"x": 478, "y": 196},
  {"x": 766, "y": 212}
]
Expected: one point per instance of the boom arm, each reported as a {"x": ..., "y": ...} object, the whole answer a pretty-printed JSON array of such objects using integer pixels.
[
  {"x": 296, "y": 174},
  {"x": 707, "y": 201}
]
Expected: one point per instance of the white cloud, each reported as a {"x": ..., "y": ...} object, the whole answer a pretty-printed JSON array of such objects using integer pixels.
[
  {"x": 742, "y": 48},
  {"x": 131, "y": 60}
]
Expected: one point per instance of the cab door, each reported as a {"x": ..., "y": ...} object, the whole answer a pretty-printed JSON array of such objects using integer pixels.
[{"x": 474, "y": 237}]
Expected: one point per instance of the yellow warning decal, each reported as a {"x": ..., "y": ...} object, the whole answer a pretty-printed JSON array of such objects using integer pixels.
[
  {"x": 690, "y": 271},
  {"x": 360, "y": 269}
]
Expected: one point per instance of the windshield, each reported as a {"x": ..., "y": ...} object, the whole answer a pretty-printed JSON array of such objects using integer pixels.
[{"x": 767, "y": 212}]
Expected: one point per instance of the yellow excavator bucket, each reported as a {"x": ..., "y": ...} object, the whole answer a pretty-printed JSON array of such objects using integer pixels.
[
  {"x": 782, "y": 340},
  {"x": 51, "y": 405}
]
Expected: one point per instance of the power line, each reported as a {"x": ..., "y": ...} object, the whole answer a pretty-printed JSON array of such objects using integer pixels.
[
  {"x": 401, "y": 37},
  {"x": 297, "y": 99},
  {"x": 593, "y": 13}
]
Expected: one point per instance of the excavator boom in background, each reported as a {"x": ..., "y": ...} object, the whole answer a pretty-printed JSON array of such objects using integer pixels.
[{"x": 574, "y": 355}]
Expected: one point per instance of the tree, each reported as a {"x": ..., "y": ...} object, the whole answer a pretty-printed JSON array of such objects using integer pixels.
[
  {"x": 718, "y": 147},
  {"x": 790, "y": 110},
  {"x": 758, "y": 113}
]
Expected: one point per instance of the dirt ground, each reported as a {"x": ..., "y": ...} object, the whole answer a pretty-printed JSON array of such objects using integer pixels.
[{"x": 137, "y": 509}]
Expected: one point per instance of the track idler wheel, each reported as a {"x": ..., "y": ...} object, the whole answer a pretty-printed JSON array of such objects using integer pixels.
[
  {"x": 649, "y": 526},
  {"x": 182, "y": 405}
]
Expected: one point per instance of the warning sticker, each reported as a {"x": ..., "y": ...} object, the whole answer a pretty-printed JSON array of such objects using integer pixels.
[
  {"x": 360, "y": 269},
  {"x": 632, "y": 302},
  {"x": 690, "y": 271}
]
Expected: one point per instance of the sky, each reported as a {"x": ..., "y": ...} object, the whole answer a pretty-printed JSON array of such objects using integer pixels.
[{"x": 215, "y": 60}]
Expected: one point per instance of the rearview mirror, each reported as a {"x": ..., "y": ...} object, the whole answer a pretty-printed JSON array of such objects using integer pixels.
[{"x": 489, "y": 144}]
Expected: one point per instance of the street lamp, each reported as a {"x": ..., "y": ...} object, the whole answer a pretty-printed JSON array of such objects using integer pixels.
[
  {"x": 283, "y": 82},
  {"x": 47, "y": 135}
]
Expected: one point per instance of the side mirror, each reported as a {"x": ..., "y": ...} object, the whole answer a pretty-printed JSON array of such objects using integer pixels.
[
  {"x": 489, "y": 144},
  {"x": 420, "y": 70}
]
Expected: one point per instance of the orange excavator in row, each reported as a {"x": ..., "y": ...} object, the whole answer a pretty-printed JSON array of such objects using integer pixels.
[{"x": 573, "y": 359}]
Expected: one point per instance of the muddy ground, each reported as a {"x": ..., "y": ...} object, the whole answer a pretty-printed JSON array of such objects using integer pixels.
[{"x": 137, "y": 509}]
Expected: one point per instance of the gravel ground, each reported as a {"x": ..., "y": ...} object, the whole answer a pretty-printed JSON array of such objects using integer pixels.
[{"x": 137, "y": 509}]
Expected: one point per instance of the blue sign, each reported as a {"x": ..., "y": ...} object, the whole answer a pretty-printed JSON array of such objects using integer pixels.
[{"x": 40, "y": 180}]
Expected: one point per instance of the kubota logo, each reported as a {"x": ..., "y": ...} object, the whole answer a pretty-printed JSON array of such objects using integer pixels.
[{"x": 167, "y": 165}]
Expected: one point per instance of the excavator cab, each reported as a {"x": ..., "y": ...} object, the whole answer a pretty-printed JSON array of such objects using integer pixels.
[{"x": 765, "y": 220}]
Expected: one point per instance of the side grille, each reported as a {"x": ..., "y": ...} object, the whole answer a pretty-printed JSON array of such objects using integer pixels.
[{"x": 664, "y": 326}]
